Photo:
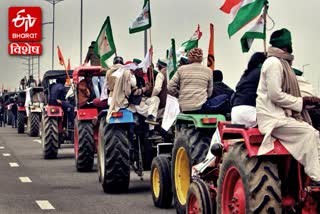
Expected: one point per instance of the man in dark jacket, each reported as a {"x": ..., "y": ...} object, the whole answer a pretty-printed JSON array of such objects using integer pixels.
[
  {"x": 219, "y": 87},
  {"x": 57, "y": 97}
]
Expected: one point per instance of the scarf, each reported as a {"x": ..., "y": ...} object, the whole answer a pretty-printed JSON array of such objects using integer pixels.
[{"x": 289, "y": 83}]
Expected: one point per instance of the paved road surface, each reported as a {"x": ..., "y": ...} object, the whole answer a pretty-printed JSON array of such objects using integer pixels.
[{"x": 30, "y": 185}]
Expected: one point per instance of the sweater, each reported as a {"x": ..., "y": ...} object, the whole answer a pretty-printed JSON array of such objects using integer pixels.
[{"x": 192, "y": 84}]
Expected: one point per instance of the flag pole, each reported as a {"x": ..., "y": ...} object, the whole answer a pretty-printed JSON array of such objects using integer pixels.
[{"x": 265, "y": 12}]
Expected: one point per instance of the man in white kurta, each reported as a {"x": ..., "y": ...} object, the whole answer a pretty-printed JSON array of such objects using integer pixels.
[{"x": 298, "y": 137}]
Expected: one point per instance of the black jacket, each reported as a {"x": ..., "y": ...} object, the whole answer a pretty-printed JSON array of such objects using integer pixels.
[
  {"x": 246, "y": 90},
  {"x": 219, "y": 88},
  {"x": 57, "y": 92}
]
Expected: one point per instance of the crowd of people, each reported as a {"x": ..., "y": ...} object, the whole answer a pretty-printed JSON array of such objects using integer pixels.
[{"x": 270, "y": 95}]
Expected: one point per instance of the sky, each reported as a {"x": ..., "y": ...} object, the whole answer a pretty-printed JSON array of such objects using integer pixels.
[{"x": 176, "y": 19}]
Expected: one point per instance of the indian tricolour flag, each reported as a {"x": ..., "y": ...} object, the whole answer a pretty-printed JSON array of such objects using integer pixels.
[
  {"x": 243, "y": 11},
  {"x": 105, "y": 46},
  {"x": 191, "y": 43},
  {"x": 143, "y": 21},
  {"x": 257, "y": 31}
]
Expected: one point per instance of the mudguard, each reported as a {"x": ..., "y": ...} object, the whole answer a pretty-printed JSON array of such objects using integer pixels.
[
  {"x": 54, "y": 111},
  {"x": 125, "y": 117},
  {"x": 201, "y": 120},
  {"x": 87, "y": 114}
]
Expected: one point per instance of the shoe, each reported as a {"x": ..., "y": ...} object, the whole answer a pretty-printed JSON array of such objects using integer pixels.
[
  {"x": 153, "y": 136},
  {"x": 151, "y": 120}
]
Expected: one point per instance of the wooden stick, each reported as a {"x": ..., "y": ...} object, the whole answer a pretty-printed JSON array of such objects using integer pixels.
[{"x": 265, "y": 11}]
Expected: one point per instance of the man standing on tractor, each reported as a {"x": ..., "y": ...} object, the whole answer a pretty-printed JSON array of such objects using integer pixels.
[
  {"x": 31, "y": 82},
  {"x": 95, "y": 61},
  {"x": 281, "y": 112}
]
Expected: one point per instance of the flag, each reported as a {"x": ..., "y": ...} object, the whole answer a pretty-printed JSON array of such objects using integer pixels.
[
  {"x": 244, "y": 11},
  {"x": 257, "y": 31},
  {"x": 60, "y": 56},
  {"x": 211, "y": 59},
  {"x": 69, "y": 66},
  {"x": 105, "y": 46},
  {"x": 191, "y": 43},
  {"x": 143, "y": 21},
  {"x": 172, "y": 60},
  {"x": 146, "y": 62}
]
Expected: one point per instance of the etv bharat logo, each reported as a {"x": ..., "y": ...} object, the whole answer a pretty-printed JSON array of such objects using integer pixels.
[
  {"x": 24, "y": 21},
  {"x": 24, "y": 24}
]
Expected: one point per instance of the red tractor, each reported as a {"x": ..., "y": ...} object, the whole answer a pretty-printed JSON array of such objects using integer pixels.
[
  {"x": 56, "y": 126},
  {"x": 85, "y": 126},
  {"x": 237, "y": 180}
]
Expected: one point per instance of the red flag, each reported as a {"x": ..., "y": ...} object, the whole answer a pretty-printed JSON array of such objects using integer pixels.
[
  {"x": 211, "y": 59},
  {"x": 69, "y": 66},
  {"x": 61, "y": 59},
  {"x": 229, "y": 4}
]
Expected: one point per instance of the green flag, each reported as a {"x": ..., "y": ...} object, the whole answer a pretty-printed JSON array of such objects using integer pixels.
[
  {"x": 143, "y": 21},
  {"x": 172, "y": 60},
  {"x": 257, "y": 31},
  {"x": 105, "y": 46}
]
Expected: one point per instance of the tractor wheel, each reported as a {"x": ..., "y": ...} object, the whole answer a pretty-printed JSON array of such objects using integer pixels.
[
  {"x": 10, "y": 116},
  {"x": 190, "y": 148},
  {"x": 84, "y": 146},
  {"x": 50, "y": 137},
  {"x": 34, "y": 124},
  {"x": 247, "y": 185},
  {"x": 116, "y": 172},
  {"x": 161, "y": 182},
  {"x": 199, "y": 198},
  {"x": 20, "y": 121}
]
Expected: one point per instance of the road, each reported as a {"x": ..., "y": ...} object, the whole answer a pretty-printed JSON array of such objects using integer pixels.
[{"x": 30, "y": 184}]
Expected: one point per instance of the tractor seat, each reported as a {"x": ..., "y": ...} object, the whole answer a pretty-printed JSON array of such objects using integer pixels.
[{"x": 238, "y": 131}]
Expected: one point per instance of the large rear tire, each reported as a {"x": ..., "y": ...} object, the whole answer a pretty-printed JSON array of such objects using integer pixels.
[
  {"x": 34, "y": 124},
  {"x": 85, "y": 150},
  {"x": 116, "y": 172},
  {"x": 247, "y": 184},
  {"x": 190, "y": 148},
  {"x": 20, "y": 121},
  {"x": 50, "y": 137},
  {"x": 199, "y": 198},
  {"x": 161, "y": 182}
]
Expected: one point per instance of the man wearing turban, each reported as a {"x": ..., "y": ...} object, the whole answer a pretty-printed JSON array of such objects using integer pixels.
[{"x": 281, "y": 112}]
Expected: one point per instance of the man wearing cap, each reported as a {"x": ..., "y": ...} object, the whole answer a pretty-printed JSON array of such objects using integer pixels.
[
  {"x": 160, "y": 89},
  {"x": 110, "y": 80},
  {"x": 281, "y": 112},
  {"x": 192, "y": 84}
]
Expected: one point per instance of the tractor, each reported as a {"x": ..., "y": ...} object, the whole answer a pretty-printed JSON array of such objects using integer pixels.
[
  {"x": 35, "y": 99},
  {"x": 237, "y": 180},
  {"x": 123, "y": 143},
  {"x": 21, "y": 113},
  {"x": 86, "y": 126},
  {"x": 57, "y": 127},
  {"x": 171, "y": 169}
]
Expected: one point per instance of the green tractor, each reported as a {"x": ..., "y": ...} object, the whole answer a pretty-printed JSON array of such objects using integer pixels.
[{"x": 171, "y": 169}]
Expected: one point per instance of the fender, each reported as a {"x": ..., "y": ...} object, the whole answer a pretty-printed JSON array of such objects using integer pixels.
[
  {"x": 251, "y": 137},
  {"x": 35, "y": 109},
  {"x": 122, "y": 116},
  {"x": 87, "y": 114},
  {"x": 21, "y": 108},
  {"x": 54, "y": 111}
]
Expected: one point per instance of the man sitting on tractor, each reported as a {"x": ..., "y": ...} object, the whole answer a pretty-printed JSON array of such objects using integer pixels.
[
  {"x": 281, "y": 112},
  {"x": 192, "y": 84},
  {"x": 85, "y": 90},
  {"x": 57, "y": 97}
]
